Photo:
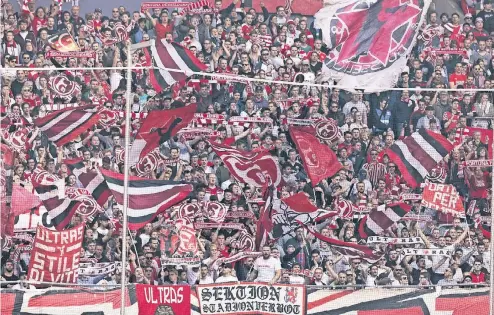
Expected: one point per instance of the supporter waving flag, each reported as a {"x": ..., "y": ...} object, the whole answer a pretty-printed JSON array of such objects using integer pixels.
[
  {"x": 377, "y": 221},
  {"x": 163, "y": 56},
  {"x": 51, "y": 191},
  {"x": 147, "y": 197},
  {"x": 351, "y": 250},
  {"x": 319, "y": 160},
  {"x": 417, "y": 155},
  {"x": 63, "y": 126},
  {"x": 249, "y": 167},
  {"x": 157, "y": 128}
]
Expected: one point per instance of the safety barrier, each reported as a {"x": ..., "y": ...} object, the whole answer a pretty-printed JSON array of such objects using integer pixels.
[{"x": 245, "y": 298}]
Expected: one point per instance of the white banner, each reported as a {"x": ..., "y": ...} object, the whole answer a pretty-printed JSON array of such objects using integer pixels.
[
  {"x": 251, "y": 298},
  {"x": 426, "y": 252},
  {"x": 394, "y": 240}
]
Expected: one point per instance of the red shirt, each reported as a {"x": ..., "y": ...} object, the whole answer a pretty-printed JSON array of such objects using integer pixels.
[
  {"x": 447, "y": 116},
  {"x": 458, "y": 79},
  {"x": 161, "y": 30},
  {"x": 480, "y": 278}
]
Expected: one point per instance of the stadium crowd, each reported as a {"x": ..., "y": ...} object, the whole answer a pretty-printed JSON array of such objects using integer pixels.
[{"x": 284, "y": 47}]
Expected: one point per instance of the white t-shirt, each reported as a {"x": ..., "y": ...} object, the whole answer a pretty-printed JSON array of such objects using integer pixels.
[
  {"x": 224, "y": 279},
  {"x": 207, "y": 280},
  {"x": 266, "y": 268}
]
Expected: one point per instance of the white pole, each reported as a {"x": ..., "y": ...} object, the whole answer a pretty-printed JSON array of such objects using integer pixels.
[
  {"x": 491, "y": 300},
  {"x": 126, "y": 180}
]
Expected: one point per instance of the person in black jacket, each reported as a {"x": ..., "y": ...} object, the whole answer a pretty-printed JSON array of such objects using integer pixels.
[{"x": 290, "y": 256}]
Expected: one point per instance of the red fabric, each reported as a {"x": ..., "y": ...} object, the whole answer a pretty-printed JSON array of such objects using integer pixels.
[
  {"x": 161, "y": 121},
  {"x": 150, "y": 298},
  {"x": 319, "y": 160},
  {"x": 57, "y": 257},
  {"x": 23, "y": 200},
  {"x": 161, "y": 30}
]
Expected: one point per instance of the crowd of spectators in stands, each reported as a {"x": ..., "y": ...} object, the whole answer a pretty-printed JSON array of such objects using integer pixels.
[{"x": 285, "y": 47}]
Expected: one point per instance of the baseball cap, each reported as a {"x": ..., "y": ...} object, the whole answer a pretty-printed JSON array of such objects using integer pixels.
[
  {"x": 305, "y": 62},
  {"x": 290, "y": 22},
  {"x": 479, "y": 19}
]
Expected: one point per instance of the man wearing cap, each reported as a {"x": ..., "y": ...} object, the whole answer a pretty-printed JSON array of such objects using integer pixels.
[
  {"x": 478, "y": 31},
  {"x": 487, "y": 15}
]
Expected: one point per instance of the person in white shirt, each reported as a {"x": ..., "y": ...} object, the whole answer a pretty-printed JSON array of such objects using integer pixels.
[
  {"x": 204, "y": 277},
  {"x": 266, "y": 268},
  {"x": 296, "y": 277},
  {"x": 226, "y": 275}
]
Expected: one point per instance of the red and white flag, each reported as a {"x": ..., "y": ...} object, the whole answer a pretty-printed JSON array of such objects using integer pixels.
[
  {"x": 319, "y": 160},
  {"x": 55, "y": 256},
  {"x": 443, "y": 198},
  {"x": 250, "y": 167}
]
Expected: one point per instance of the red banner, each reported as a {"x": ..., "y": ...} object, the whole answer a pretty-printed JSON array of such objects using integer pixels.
[
  {"x": 162, "y": 5},
  {"x": 55, "y": 257},
  {"x": 163, "y": 299},
  {"x": 442, "y": 198}
]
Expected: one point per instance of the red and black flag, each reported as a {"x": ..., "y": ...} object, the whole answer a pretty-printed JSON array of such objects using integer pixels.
[
  {"x": 91, "y": 180},
  {"x": 147, "y": 197},
  {"x": 157, "y": 128},
  {"x": 96, "y": 185},
  {"x": 377, "y": 221},
  {"x": 166, "y": 56},
  {"x": 63, "y": 126},
  {"x": 417, "y": 155},
  {"x": 352, "y": 250},
  {"x": 378, "y": 35}
]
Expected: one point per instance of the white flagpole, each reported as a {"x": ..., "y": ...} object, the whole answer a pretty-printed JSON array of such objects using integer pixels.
[
  {"x": 126, "y": 178},
  {"x": 491, "y": 304}
]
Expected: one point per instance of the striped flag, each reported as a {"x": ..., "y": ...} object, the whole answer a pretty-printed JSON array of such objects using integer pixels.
[
  {"x": 349, "y": 249},
  {"x": 147, "y": 197},
  {"x": 170, "y": 56},
  {"x": 377, "y": 221},
  {"x": 417, "y": 155},
  {"x": 65, "y": 125},
  {"x": 51, "y": 192},
  {"x": 96, "y": 185}
]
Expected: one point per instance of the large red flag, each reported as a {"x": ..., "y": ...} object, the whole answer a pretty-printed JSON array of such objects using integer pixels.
[
  {"x": 23, "y": 200},
  {"x": 319, "y": 160},
  {"x": 158, "y": 127}
]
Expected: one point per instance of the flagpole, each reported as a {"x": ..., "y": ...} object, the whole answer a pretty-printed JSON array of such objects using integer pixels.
[
  {"x": 126, "y": 179},
  {"x": 491, "y": 304}
]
